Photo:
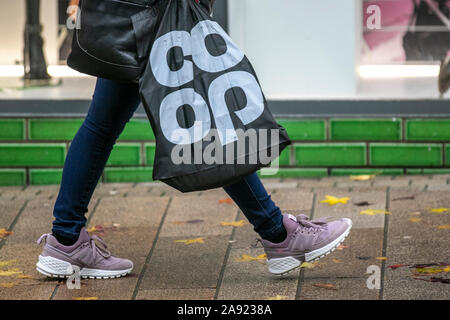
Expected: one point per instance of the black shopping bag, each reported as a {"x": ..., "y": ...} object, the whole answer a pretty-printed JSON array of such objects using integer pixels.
[{"x": 205, "y": 104}]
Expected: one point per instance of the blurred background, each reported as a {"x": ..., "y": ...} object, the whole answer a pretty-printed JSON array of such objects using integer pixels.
[{"x": 361, "y": 86}]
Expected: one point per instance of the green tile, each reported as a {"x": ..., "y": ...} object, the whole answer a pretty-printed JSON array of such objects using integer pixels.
[
  {"x": 304, "y": 130},
  {"x": 428, "y": 129},
  {"x": 12, "y": 129},
  {"x": 137, "y": 129},
  {"x": 338, "y": 154},
  {"x": 32, "y": 154},
  {"x": 414, "y": 171},
  {"x": 150, "y": 154},
  {"x": 447, "y": 155},
  {"x": 12, "y": 177},
  {"x": 141, "y": 174},
  {"x": 297, "y": 173},
  {"x": 53, "y": 129},
  {"x": 405, "y": 155},
  {"x": 428, "y": 171},
  {"x": 45, "y": 176},
  {"x": 376, "y": 171},
  {"x": 125, "y": 154},
  {"x": 365, "y": 129}
]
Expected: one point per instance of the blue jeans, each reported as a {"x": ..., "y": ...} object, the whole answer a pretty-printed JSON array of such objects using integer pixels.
[{"x": 112, "y": 107}]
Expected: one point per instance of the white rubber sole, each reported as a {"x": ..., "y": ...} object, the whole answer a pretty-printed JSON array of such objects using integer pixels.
[
  {"x": 280, "y": 266},
  {"x": 55, "y": 268}
]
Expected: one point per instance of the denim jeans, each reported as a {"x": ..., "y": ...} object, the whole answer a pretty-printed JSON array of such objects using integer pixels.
[{"x": 112, "y": 106}]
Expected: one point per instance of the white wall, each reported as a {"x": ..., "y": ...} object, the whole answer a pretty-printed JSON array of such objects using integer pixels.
[
  {"x": 300, "y": 48},
  {"x": 12, "y": 21}
]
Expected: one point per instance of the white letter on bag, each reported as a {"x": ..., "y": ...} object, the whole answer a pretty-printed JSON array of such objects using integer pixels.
[
  {"x": 203, "y": 59},
  {"x": 160, "y": 66},
  {"x": 253, "y": 109},
  {"x": 168, "y": 116}
]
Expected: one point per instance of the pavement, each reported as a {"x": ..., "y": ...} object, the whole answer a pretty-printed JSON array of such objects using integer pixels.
[{"x": 199, "y": 245}]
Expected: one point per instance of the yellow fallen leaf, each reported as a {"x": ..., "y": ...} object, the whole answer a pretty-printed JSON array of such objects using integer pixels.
[
  {"x": 337, "y": 260},
  {"x": 5, "y": 233},
  {"x": 85, "y": 298},
  {"x": 327, "y": 286},
  {"x": 246, "y": 257},
  {"x": 7, "y": 262},
  {"x": 239, "y": 223},
  {"x": 308, "y": 265},
  {"x": 7, "y": 284},
  {"x": 432, "y": 270},
  {"x": 93, "y": 229},
  {"x": 24, "y": 276},
  {"x": 372, "y": 212},
  {"x": 414, "y": 220},
  {"x": 10, "y": 272},
  {"x": 332, "y": 200},
  {"x": 381, "y": 258},
  {"x": 445, "y": 226},
  {"x": 363, "y": 177},
  {"x": 190, "y": 241},
  {"x": 277, "y": 297},
  {"x": 440, "y": 210}
]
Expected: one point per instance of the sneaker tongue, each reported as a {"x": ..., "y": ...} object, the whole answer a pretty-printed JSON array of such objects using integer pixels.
[{"x": 290, "y": 222}]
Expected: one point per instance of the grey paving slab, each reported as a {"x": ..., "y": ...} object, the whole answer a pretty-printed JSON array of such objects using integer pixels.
[
  {"x": 251, "y": 280},
  {"x": 355, "y": 184},
  {"x": 198, "y": 215},
  {"x": 377, "y": 200},
  {"x": 112, "y": 189},
  {"x": 20, "y": 259},
  {"x": 44, "y": 192},
  {"x": 293, "y": 200},
  {"x": 163, "y": 189},
  {"x": 177, "y": 294},
  {"x": 326, "y": 182},
  {"x": 20, "y": 193},
  {"x": 139, "y": 190},
  {"x": 443, "y": 187},
  {"x": 218, "y": 192},
  {"x": 360, "y": 250},
  {"x": 308, "y": 183},
  {"x": 137, "y": 220},
  {"x": 176, "y": 265},
  {"x": 394, "y": 183},
  {"x": 7, "y": 193},
  {"x": 21, "y": 247},
  {"x": 8, "y": 211},
  {"x": 417, "y": 242},
  {"x": 345, "y": 289}
]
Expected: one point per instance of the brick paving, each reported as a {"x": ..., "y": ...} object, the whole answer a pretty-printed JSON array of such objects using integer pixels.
[{"x": 394, "y": 226}]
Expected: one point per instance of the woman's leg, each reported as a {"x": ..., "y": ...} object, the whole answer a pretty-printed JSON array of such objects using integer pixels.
[
  {"x": 252, "y": 198},
  {"x": 112, "y": 106}
]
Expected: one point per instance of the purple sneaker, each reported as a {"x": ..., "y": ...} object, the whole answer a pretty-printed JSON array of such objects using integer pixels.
[
  {"x": 307, "y": 240},
  {"x": 57, "y": 260}
]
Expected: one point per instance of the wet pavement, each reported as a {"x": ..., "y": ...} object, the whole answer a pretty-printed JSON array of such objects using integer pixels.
[{"x": 398, "y": 247}]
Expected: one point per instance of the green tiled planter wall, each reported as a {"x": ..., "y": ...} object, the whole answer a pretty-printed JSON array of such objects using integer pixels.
[{"x": 32, "y": 150}]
